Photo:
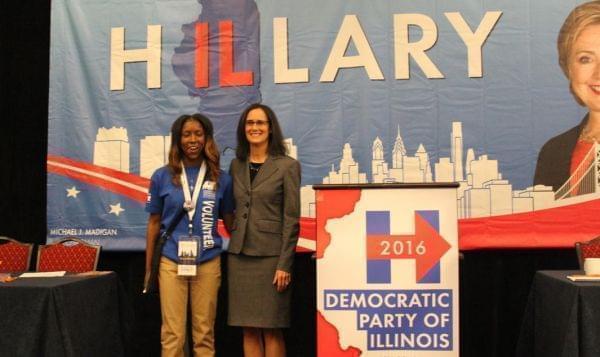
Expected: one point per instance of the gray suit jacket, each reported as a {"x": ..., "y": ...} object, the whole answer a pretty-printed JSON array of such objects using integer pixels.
[{"x": 268, "y": 210}]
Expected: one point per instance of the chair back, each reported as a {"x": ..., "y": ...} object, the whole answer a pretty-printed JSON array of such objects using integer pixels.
[
  {"x": 589, "y": 249},
  {"x": 70, "y": 254},
  {"x": 14, "y": 255}
]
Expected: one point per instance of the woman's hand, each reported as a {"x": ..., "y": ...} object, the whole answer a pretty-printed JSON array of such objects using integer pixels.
[{"x": 281, "y": 280}]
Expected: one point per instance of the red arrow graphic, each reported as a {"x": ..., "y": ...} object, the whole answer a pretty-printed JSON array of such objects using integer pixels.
[{"x": 426, "y": 246}]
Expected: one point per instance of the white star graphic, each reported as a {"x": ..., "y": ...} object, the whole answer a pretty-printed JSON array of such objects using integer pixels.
[
  {"x": 72, "y": 192},
  {"x": 116, "y": 209}
]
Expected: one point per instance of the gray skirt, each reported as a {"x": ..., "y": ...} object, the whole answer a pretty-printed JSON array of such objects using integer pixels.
[{"x": 253, "y": 299}]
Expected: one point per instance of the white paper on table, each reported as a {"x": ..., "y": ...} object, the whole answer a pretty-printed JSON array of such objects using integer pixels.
[
  {"x": 583, "y": 277},
  {"x": 43, "y": 274}
]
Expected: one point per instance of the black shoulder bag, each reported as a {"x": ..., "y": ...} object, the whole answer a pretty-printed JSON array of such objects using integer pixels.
[{"x": 151, "y": 285}]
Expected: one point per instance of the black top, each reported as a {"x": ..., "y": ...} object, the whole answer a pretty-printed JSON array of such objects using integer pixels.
[
  {"x": 254, "y": 168},
  {"x": 554, "y": 160}
]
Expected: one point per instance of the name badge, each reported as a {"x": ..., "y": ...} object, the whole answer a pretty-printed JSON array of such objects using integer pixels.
[
  {"x": 187, "y": 252},
  {"x": 208, "y": 190}
]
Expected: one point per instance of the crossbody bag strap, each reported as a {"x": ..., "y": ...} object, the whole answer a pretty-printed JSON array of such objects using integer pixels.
[{"x": 174, "y": 223}]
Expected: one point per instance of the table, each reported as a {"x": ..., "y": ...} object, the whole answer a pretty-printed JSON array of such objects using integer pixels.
[
  {"x": 64, "y": 316},
  {"x": 562, "y": 317}
]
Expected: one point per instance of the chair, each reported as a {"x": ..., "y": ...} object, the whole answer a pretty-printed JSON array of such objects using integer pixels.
[
  {"x": 14, "y": 255},
  {"x": 589, "y": 249},
  {"x": 70, "y": 254}
]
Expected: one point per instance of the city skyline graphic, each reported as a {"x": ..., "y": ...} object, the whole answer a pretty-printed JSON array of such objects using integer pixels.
[
  {"x": 484, "y": 197},
  {"x": 482, "y": 191}
]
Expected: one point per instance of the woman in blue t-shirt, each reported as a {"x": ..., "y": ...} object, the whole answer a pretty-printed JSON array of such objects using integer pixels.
[{"x": 190, "y": 264}]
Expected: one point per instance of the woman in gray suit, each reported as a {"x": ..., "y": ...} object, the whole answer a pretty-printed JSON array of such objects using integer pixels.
[{"x": 266, "y": 185}]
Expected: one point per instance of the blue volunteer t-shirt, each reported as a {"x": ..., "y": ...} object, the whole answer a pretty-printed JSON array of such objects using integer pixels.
[{"x": 166, "y": 199}]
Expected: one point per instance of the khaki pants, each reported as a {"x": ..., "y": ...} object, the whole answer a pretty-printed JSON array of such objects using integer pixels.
[{"x": 202, "y": 291}]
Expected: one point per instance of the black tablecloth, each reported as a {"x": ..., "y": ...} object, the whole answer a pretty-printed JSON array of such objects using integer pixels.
[
  {"x": 64, "y": 316},
  {"x": 562, "y": 317}
]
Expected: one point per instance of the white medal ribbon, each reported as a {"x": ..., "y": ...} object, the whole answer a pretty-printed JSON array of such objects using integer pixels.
[{"x": 190, "y": 200}]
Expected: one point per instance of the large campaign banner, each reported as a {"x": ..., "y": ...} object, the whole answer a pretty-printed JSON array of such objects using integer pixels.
[{"x": 366, "y": 91}]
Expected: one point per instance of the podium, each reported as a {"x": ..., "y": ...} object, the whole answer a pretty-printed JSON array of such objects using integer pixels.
[{"x": 387, "y": 270}]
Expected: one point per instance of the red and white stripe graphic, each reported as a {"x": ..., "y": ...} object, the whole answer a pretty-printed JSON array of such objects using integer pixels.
[{"x": 136, "y": 188}]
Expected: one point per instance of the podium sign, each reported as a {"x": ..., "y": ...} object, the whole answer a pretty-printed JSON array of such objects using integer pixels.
[{"x": 387, "y": 270}]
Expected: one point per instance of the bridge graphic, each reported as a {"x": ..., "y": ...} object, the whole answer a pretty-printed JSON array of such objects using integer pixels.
[{"x": 585, "y": 180}]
